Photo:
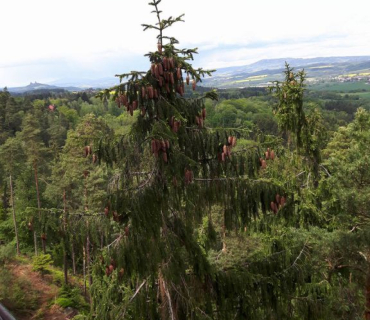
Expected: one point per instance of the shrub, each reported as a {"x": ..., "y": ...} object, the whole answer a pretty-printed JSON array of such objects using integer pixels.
[
  {"x": 71, "y": 297},
  {"x": 80, "y": 317},
  {"x": 41, "y": 262},
  {"x": 58, "y": 276},
  {"x": 6, "y": 252},
  {"x": 65, "y": 302}
]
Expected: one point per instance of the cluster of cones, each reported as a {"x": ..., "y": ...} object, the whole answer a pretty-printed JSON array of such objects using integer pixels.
[
  {"x": 269, "y": 155},
  {"x": 169, "y": 75},
  {"x": 111, "y": 267},
  {"x": 278, "y": 203},
  {"x": 189, "y": 176},
  {"x": 168, "y": 78},
  {"x": 199, "y": 119},
  {"x": 88, "y": 152},
  {"x": 115, "y": 215},
  {"x": 30, "y": 227},
  {"x": 122, "y": 100},
  {"x": 226, "y": 149},
  {"x": 162, "y": 146},
  {"x": 174, "y": 124}
]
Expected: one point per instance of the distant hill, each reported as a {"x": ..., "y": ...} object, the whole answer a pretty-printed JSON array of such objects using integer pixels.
[
  {"x": 258, "y": 74},
  {"x": 35, "y": 86},
  {"x": 84, "y": 83},
  {"x": 264, "y": 71}
]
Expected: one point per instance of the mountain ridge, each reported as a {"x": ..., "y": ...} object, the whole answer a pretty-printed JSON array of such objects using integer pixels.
[{"x": 261, "y": 71}]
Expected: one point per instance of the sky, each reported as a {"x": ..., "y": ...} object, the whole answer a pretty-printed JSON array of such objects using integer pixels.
[{"x": 59, "y": 41}]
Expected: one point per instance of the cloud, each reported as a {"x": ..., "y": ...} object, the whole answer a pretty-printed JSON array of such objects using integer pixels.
[{"x": 47, "y": 39}]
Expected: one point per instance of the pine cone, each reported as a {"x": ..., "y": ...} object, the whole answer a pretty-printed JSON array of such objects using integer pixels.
[
  {"x": 164, "y": 156},
  {"x": 272, "y": 155},
  {"x": 263, "y": 164},
  {"x": 282, "y": 201},
  {"x": 277, "y": 198}
]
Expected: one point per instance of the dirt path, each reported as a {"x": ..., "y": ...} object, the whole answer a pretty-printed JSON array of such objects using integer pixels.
[{"x": 46, "y": 293}]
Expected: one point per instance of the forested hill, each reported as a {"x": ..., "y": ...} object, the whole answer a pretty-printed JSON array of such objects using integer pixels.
[
  {"x": 52, "y": 132},
  {"x": 264, "y": 71},
  {"x": 39, "y": 87},
  {"x": 252, "y": 75}
]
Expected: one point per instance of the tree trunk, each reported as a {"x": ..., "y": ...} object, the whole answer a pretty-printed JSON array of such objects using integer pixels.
[
  {"x": 43, "y": 242},
  {"x": 73, "y": 259},
  {"x": 65, "y": 262},
  {"x": 367, "y": 294},
  {"x": 35, "y": 242},
  {"x": 224, "y": 234},
  {"x": 88, "y": 255},
  {"x": 37, "y": 189},
  {"x": 4, "y": 197},
  {"x": 88, "y": 236},
  {"x": 84, "y": 267},
  {"x": 14, "y": 219},
  {"x": 39, "y": 203}
]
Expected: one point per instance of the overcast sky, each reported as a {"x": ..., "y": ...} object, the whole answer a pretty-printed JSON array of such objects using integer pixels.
[{"x": 49, "y": 40}]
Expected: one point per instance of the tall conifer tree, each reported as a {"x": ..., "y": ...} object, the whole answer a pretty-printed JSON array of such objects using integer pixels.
[{"x": 174, "y": 173}]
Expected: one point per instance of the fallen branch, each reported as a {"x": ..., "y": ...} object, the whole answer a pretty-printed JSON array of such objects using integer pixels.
[
  {"x": 116, "y": 240},
  {"x": 137, "y": 291}
]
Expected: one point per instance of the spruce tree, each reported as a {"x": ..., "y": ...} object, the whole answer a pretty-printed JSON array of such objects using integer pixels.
[
  {"x": 181, "y": 193},
  {"x": 11, "y": 154},
  {"x": 78, "y": 187},
  {"x": 35, "y": 151}
]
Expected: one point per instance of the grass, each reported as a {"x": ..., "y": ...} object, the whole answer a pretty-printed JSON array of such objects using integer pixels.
[
  {"x": 321, "y": 67},
  {"x": 361, "y": 95},
  {"x": 344, "y": 87},
  {"x": 252, "y": 78}
]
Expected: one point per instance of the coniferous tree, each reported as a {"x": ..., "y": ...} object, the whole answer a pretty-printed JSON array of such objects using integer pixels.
[
  {"x": 35, "y": 150},
  {"x": 11, "y": 155},
  {"x": 10, "y": 116},
  {"x": 174, "y": 173},
  {"x": 78, "y": 185}
]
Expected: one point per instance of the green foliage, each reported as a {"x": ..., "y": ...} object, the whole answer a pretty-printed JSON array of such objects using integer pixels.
[
  {"x": 347, "y": 187},
  {"x": 80, "y": 317},
  {"x": 7, "y": 252},
  {"x": 41, "y": 262},
  {"x": 10, "y": 116},
  {"x": 242, "y": 113},
  {"x": 5, "y": 282},
  {"x": 57, "y": 275},
  {"x": 64, "y": 302},
  {"x": 308, "y": 131},
  {"x": 289, "y": 109},
  {"x": 71, "y": 297}
]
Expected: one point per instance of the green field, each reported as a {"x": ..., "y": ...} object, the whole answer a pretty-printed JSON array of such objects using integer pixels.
[
  {"x": 340, "y": 86},
  {"x": 361, "y": 95}
]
